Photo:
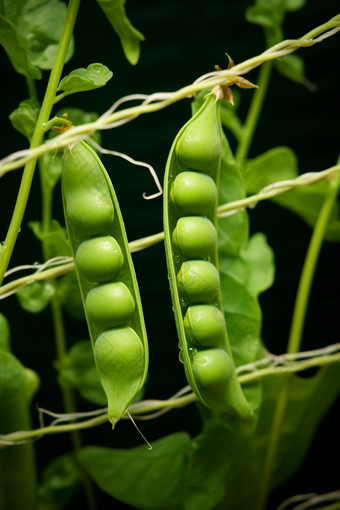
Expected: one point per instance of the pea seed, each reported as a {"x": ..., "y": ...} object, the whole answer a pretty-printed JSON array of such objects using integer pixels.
[
  {"x": 110, "y": 305},
  {"x": 99, "y": 259},
  {"x": 204, "y": 325},
  {"x": 88, "y": 202},
  {"x": 199, "y": 147},
  {"x": 194, "y": 237},
  {"x": 193, "y": 193},
  {"x": 198, "y": 281},
  {"x": 213, "y": 369}
]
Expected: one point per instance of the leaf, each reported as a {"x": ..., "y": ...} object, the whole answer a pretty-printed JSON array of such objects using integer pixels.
[
  {"x": 291, "y": 67},
  {"x": 259, "y": 257},
  {"x": 294, "y": 5},
  {"x": 69, "y": 294},
  {"x": 16, "y": 53},
  {"x": 5, "y": 334},
  {"x": 31, "y": 34},
  {"x": 32, "y": 384},
  {"x": 239, "y": 262},
  {"x": 12, "y": 376},
  {"x": 56, "y": 238},
  {"x": 25, "y": 117},
  {"x": 147, "y": 480},
  {"x": 280, "y": 164},
  {"x": 60, "y": 480},
  {"x": 79, "y": 371},
  {"x": 129, "y": 37},
  {"x": 36, "y": 296},
  {"x": 264, "y": 15},
  {"x": 223, "y": 463},
  {"x": 79, "y": 80}
]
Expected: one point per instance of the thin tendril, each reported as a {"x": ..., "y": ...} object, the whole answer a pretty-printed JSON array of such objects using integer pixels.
[
  {"x": 134, "y": 162},
  {"x": 150, "y": 447}
]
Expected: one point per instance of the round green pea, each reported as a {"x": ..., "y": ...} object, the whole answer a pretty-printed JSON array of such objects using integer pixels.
[
  {"x": 213, "y": 369},
  {"x": 193, "y": 193},
  {"x": 88, "y": 202},
  {"x": 90, "y": 215},
  {"x": 198, "y": 281},
  {"x": 99, "y": 259},
  {"x": 200, "y": 145},
  {"x": 204, "y": 325},
  {"x": 110, "y": 305},
  {"x": 194, "y": 237}
]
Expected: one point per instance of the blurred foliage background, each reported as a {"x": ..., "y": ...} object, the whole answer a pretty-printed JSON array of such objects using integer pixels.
[{"x": 185, "y": 39}]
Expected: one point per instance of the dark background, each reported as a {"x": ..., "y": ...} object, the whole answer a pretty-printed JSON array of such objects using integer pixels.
[{"x": 184, "y": 40}]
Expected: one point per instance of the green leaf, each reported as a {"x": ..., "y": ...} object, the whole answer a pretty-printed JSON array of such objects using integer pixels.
[
  {"x": 79, "y": 80},
  {"x": 78, "y": 370},
  {"x": 25, "y": 117},
  {"x": 30, "y": 34},
  {"x": 129, "y": 37},
  {"x": 147, "y": 480},
  {"x": 9, "y": 39},
  {"x": 294, "y": 5},
  {"x": 36, "y": 296},
  {"x": 246, "y": 268},
  {"x": 280, "y": 164},
  {"x": 12, "y": 376},
  {"x": 259, "y": 258},
  {"x": 56, "y": 238},
  {"x": 5, "y": 334},
  {"x": 61, "y": 479},
  {"x": 32, "y": 384},
  {"x": 69, "y": 294},
  {"x": 291, "y": 67},
  {"x": 264, "y": 15},
  {"x": 223, "y": 464}
]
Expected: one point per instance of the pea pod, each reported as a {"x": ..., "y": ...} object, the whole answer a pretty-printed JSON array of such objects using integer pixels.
[
  {"x": 106, "y": 278},
  {"x": 190, "y": 230}
]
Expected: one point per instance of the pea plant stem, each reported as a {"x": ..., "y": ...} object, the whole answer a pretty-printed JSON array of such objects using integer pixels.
[
  {"x": 254, "y": 112},
  {"x": 309, "y": 266},
  {"x": 37, "y": 137},
  {"x": 295, "y": 336}
]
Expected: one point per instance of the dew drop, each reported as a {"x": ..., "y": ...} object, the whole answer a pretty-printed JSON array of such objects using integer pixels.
[
  {"x": 281, "y": 58},
  {"x": 192, "y": 352},
  {"x": 36, "y": 263},
  {"x": 183, "y": 303},
  {"x": 171, "y": 178},
  {"x": 181, "y": 357}
]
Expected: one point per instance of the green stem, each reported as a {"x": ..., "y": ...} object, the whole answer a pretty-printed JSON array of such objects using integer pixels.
[
  {"x": 37, "y": 137},
  {"x": 296, "y": 331},
  {"x": 272, "y": 445},
  {"x": 32, "y": 89},
  {"x": 254, "y": 112},
  {"x": 309, "y": 266}
]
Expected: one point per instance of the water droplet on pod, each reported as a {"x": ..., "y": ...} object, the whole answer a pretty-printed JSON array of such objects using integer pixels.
[
  {"x": 183, "y": 303},
  {"x": 181, "y": 357},
  {"x": 281, "y": 58},
  {"x": 192, "y": 352}
]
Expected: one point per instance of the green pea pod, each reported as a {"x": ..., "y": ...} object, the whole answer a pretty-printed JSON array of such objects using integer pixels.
[
  {"x": 106, "y": 278},
  {"x": 190, "y": 230}
]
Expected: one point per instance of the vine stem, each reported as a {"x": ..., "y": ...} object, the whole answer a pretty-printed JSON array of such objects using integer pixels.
[
  {"x": 37, "y": 137},
  {"x": 254, "y": 112},
  {"x": 296, "y": 331}
]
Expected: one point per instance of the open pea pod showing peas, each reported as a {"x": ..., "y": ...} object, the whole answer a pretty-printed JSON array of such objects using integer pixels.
[
  {"x": 106, "y": 277},
  {"x": 190, "y": 229}
]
